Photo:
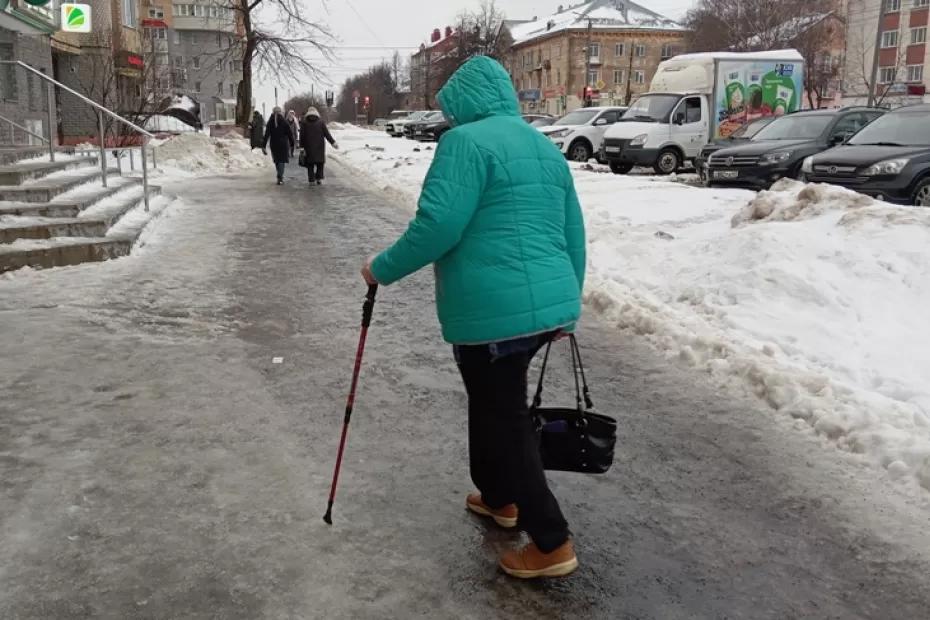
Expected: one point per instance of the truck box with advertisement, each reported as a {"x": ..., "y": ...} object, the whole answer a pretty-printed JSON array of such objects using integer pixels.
[{"x": 697, "y": 98}]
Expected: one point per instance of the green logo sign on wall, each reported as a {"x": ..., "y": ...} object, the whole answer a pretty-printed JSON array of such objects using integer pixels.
[
  {"x": 75, "y": 17},
  {"x": 38, "y": 2}
]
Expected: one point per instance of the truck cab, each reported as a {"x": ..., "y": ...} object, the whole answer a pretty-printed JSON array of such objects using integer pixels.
[{"x": 660, "y": 130}]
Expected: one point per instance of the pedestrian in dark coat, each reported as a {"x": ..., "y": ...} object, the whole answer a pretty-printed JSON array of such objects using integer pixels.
[
  {"x": 314, "y": 134},
  {"x": 278, "y": 132},
  {"x": 256, "y": 130}
]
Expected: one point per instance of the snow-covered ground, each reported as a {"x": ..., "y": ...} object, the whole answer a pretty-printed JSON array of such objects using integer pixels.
[{"x": 814, "y": 297}]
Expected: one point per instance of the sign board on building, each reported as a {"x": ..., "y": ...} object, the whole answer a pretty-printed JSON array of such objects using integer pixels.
[
  {"x": 529, "y": 95},
  {"x": 75, "y": 17}
]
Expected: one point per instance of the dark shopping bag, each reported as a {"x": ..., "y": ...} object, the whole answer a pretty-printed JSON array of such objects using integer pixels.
[
  {"x": 578, "y": 439},
  {"x": 302, "y": 159}
]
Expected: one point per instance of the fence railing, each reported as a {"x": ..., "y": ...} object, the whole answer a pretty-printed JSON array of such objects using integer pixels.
[
  {"x": 14, "y": 126},
  {"x": 101, "y": 113}
]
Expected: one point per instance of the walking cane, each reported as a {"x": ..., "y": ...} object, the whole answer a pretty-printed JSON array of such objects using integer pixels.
[{"x": 367, "y": 310}]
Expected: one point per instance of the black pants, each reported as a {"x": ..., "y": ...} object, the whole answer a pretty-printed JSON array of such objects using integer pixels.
[
  {"x": 315, "y": 171},
  {"x": 505, "y": 463}
]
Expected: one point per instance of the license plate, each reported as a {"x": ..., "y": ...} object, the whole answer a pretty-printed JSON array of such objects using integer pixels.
[
  {"x": 612, "y": 149},
  {"x": 726, "y": 174}
]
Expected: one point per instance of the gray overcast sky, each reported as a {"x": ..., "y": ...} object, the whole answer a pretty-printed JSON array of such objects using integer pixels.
[{"x": 405, "y": 23}]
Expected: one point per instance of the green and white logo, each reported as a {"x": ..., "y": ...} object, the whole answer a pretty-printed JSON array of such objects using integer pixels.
[{"x": 75, "y": 17}]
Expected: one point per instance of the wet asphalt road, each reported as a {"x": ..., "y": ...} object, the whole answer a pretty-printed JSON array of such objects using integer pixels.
[{"x": 156, "y": 464}]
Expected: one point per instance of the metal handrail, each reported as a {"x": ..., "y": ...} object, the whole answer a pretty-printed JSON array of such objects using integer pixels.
[
  {"x": 21, "y": 128},
  {"x": 101, "y": 111}
]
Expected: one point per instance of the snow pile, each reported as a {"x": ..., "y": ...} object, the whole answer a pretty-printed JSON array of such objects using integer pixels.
[
  {"x": 197, "y": 154},
  {"x": 812, "y": 296},
  {"x": 790, "y": 200}
]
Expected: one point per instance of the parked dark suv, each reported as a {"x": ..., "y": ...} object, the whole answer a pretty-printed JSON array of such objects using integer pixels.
[
  {"x": 889, "y": 159},
  {"x": 779, "y": 150},
  {"x": 431, "y": 131},
  {"x": 742, "y": 135}
]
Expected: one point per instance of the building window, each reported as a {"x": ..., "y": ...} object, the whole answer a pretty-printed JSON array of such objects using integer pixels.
[
  {"x": 200, "y": 10},
  {"x": 177, "y": 37},
  {"x": 219, "y": 66},
  {"x": 232, "y": 66},
  {"x": 558, "y": 77},
  {"x": 156, "y": 14},
  {"x": 129, "y": 13},
  {"x": 558, "y": 51},
  {"x": 889, "y": 39},
  {"x": 640, "y": 50},
  {"x": 918, "y": 4},
  {"x": 618, "y": 76},
  {"x": 213, "y": 11},
  {"x": 156, "y": 33},
  {"x": 219, "y": 88},
  {"x": 915, "y": 73},
  {"x": 196, "y": 62},
  {"x": 179, "y": 61},
  {"x": 639, "y": 77},
  {"x": 918, "y": 35},
  {"x": 232, "y": 90},
  {"x": 887, "y": 75},
  {"x": 594, "y": 50},
  {"x": 668, "y": 51},
  {"x": 197, "y": 87},
  {"x": 620, "y": 50},
  {"x": 594, "y": 77},
  {"x": 892, "y": 6}
]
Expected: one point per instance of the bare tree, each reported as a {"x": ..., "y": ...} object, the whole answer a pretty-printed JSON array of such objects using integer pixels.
[
  {"x": 279, "y": 46},
  {"x": 860, "y": 55},
  {"x": 304, "y": 101}
]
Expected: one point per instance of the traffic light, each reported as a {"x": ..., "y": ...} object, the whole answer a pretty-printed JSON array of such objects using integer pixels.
[
  {"x": 367, "y": 101},
  {"x": 588, "y": 95}
]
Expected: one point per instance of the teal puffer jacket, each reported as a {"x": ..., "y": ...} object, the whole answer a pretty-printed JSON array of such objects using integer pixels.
[{"x": 499, "y": 217}]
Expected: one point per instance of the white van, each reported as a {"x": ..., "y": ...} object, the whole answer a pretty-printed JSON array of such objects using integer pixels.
[{"x": 697, "y": 98}]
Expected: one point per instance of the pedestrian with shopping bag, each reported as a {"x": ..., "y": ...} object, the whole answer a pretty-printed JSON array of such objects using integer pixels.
[
  {"x": 314, "y": 134},
  {"x": 499, "y": 219}
]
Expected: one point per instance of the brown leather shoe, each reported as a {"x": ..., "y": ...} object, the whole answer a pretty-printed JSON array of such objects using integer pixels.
[
  {"x": 504, "y": 517},
  {"x": 530, "y": 562}
]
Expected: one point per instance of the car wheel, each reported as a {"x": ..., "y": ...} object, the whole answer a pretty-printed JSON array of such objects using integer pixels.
[
  {"x": 922, "y": 194},
  {"x": 668, "y": 162},
  {"x": 621, "y": 168},
  {"x": 580, "y": 151}
]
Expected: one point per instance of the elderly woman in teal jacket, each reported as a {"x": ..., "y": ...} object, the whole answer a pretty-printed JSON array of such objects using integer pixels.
[{"x": 499, "y": 219}]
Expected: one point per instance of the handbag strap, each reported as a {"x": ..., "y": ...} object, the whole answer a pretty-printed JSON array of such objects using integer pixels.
[{"x": 582, "y": 393}]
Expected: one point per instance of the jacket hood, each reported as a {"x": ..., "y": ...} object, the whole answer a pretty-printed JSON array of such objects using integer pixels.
[
  {"x": 312, "y": 114},
  {"x": 479, "y": 89}
]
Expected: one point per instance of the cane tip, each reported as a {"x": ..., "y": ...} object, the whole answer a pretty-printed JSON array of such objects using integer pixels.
[{"x": 328, "y": 517}]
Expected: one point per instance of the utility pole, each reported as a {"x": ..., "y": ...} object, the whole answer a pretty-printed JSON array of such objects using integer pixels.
[
  {"x": 873, "y": 84},
  {"x": 587, "y": 67},
  {"x": 629, "y": 74},
  {"x": 429, "y": 56}
]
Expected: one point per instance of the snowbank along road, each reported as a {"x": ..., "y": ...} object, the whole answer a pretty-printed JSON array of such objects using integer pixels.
[{"x": 155, "y": 462}]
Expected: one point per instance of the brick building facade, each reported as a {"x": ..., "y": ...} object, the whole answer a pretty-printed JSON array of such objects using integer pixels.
[
  {"x": 429, "y": 69},
  {"x": 613, "y": 46},
  {"x": 904, "y": 56},
  {"x": 25, "y": 36}
]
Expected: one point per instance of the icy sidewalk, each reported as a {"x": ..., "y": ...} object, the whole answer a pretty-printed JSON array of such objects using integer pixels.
[{"x": 813, "y": 297}]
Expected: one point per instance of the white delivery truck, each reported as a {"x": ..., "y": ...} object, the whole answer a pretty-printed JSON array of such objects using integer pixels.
[{"x": 695, "y": 99}]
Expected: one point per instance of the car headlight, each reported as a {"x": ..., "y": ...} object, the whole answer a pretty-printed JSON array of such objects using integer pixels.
[
  {"x": 770, "y": 159},
  {"x": 808, "y": 166},
  {"x": 889, "y": 166},
  {"x": 640, "y": 140},
  {"x": 561, "y": 133}
]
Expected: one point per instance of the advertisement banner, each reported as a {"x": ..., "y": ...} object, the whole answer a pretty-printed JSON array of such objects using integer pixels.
[{"x": 751, "y": 89}]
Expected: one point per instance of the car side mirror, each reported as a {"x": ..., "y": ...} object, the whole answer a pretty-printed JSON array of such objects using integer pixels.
[
  {"x": 679, "y": 118},
  {"x": 599, "y": 122}
]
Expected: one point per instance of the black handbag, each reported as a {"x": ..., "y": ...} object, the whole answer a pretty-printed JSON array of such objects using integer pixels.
[
  {"x": 302, "y": 158},
  {"x": 578, "y": 439}
]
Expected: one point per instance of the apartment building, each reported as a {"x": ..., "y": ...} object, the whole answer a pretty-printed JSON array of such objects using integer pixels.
[
  {"x": 900, "y": 26},
  {"x": 25, "y": 32},
  {"x": 204, "y": 51},
  {"x": 430, "y": 68},
  {"x": 612, "y": 46}
]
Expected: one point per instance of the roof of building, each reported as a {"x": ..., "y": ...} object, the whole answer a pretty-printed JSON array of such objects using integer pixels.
[{"x": 603, "y": 14}]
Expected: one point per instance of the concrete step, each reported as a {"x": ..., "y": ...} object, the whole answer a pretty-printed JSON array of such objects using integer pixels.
[
  {"x": 23, "y": 171},
  {"x": 10, "y": 154},
  {"x": 48, "y": 189},
  {"x": 94, "y": 222},
  {"x": 66, "y": 205},
  {"x": 62, "y": 252}
]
